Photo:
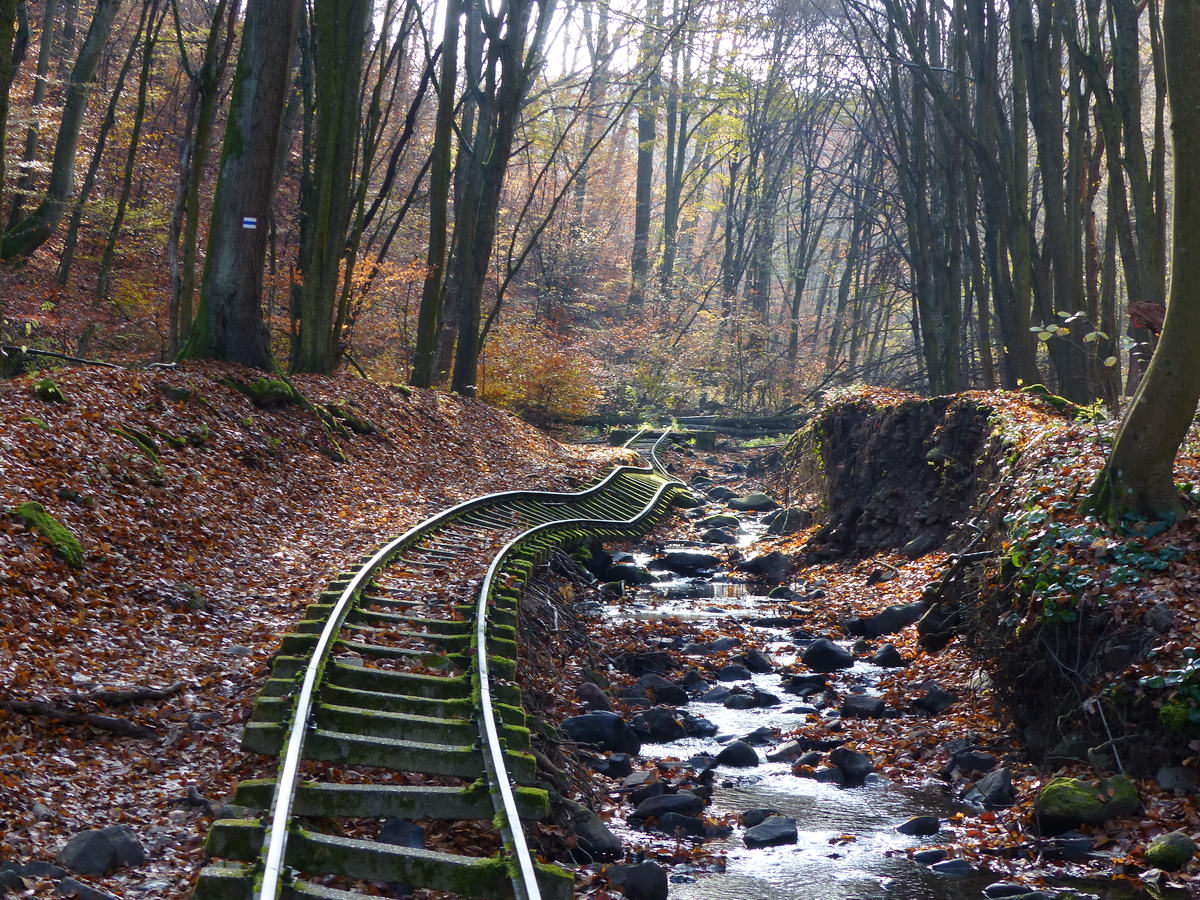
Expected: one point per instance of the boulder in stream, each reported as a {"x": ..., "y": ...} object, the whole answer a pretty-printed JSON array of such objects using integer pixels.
[
  {"x": 853, "y": 765},
  {"x": 645, "y": 881},
  {"x": 823, "y": 655},
  {"x": 1066, "y": 802},
  {"x": 684, "y": 562},
  {"x": 738, "y": 753},
  {"x": 755, "y": 502},
  {"x": 772, "y": 832}
]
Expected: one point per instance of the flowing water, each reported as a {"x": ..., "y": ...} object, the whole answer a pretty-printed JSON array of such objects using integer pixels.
[{"x": 848, "y": 846}]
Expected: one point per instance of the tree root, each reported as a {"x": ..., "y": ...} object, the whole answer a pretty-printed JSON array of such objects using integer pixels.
[{"x": 105, "y": 723}]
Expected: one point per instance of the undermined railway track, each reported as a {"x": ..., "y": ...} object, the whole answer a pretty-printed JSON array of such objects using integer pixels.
[{"x": 405, "y": 667}]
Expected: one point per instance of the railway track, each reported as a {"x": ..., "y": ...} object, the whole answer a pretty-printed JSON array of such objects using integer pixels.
[{"x": 405, "y": 667}]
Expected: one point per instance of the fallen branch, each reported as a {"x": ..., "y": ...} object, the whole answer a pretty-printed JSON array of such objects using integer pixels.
[
  {"x": 104, "y": 723},
  {"x": 30, "y": 351},
  {"x": 121, "y": 696}
]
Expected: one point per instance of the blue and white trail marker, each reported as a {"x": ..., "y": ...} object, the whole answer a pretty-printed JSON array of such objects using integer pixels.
[{"x": 249, "y": 222}]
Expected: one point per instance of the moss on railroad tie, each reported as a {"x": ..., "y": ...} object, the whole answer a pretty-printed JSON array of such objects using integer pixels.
[{"x": 57, "y": 535}]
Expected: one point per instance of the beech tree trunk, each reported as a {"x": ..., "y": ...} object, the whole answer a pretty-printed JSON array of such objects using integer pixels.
[
  {"x": 229, "y": 323},
  {"x": 36, "y": 228},
  {"x": 339, "y": 36},
  {"x": 1138, "y": 479},
  {"x": 8, "y": 33}
]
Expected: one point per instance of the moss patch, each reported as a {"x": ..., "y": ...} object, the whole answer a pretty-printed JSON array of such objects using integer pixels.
[
  {"x": 57, "y": 535},
  {"x": 47, "y": 390}
]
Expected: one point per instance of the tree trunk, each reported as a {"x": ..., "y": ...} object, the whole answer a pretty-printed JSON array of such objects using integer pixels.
[
  {"x": 429, "y": 319},
  {"x": 36, "y": 228},
  {"x": 229, "y": 323},
  {"x": 104, "y": 278},
  {"x": 647, "y": 117},
  {"x": 8, "y": 32},
  {"x": 193, "y": 162},
  {"x": 339, "y": 33},
  {"x": 1138, "y": 479},
  {"x": 37, "y": 97}
]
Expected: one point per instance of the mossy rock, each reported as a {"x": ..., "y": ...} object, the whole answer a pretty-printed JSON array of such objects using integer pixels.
[
  {"x": 1066, "y": 803},
  {"x": 47, "y": 389},
  {"x": 685, "y": 500},
  {"x": 1171, "y": 852},
  {"x": 57, "y": 535},
  {"x": 140, "y": 439},
  {"x": 178, "y": 394},
  {"x": 266, "y": 392},
  {"x": 402, "y": 389},
  {"x": 720, "y": 521},
  {"x": 352, "y": 420}
]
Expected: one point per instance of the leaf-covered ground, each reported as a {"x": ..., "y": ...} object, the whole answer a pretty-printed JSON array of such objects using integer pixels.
[{"x": 207, "y": 523}]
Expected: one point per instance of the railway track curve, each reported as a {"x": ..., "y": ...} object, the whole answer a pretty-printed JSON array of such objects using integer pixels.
[{"x": 405, "y": 667}]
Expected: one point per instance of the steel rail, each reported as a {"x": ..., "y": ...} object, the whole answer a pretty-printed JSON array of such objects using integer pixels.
[
  {"x": 525, "y": 886},
  {"x": 275, "y": 839}
]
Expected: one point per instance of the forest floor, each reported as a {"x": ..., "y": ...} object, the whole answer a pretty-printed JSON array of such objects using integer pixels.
[{"x": 206, "y": 524}]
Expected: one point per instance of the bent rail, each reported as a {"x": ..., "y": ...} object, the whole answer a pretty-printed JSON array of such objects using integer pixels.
[{"x": 620, "y": 503}]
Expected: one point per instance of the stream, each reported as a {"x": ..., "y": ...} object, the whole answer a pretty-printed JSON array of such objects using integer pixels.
[{"x": 847, "y": 845}]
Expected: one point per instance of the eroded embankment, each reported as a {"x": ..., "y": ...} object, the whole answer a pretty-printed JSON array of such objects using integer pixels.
[
  {"x": 205, "y": 521},
  {"x": 1085, "y": 630}
]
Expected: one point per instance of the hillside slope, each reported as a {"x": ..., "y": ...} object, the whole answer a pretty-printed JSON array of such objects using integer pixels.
[{"x": 206, "y": 522}]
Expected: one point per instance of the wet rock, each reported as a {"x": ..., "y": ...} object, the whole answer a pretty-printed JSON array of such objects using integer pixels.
[
  {"x": 772, "y": 832},
  {"x": 763, "y": 699},
  {"x": 1171, "y": 852},
  {"x": 739, "y": 701},
  {"x": 773, "y": 566},
  {"x": 860, "y": 646},
  {"x": 738, "y": 753},
  {"x": 858, "y": 706},
  {"x": 972, "y": 762},
  {"x": 659, "y": 724},
  {"x": 99, "y": 851},
  {"x": 930, "y": 855},
  {"x": 1070, "y": 846},
  {"x": 993, "y": 790},
  {"x": 935, "y": 700},
  {"x": 645, "y": 881},
  {"x": 655, "y": 661},
  {"x": 854, "y": 766},
  {"x": 676, "y": 823},
  {"x": 618, "y": 765},
  {"x": 807, "y": 684},
  {"x": 720, "y": 492},
  {"x": 756, "y": 661},
  {"x": 760, "y": 737},
  {"x": 1180, "y": 779},
  {"x": 787, "y": 752},
  {"x": 10, "y": 881},
  {"x": 41, "y": 869},
  {"x": 734, "y": 672},
  {"x": 69, "y": 887},
  {"x": 752, "y": 817},
  {"x": 697, "y": 726},
  {"x": 592, "y": 697},
  {"x": 720, "y": 645},
  {"x": 685, "y": 803},
  {"x": 920, "y": 825},
  {"x": 953, "y": 868},
  {"x": 1007, "y": 889},
  {"x": 602, "y": 729},
  {"x": 721, "y": 520},
  {"x": 889, "y": 657},
  {"x": 823, "y": 655},
  {"x": 788, "y": 521},
  {"x": 888, "y": 621},
  {"x": 718, "y": 536},
  {"x": 629, "y": 573},
  {"x": 776, "y": 621},
  {"x": 756, "y": 502},
  {"x": 684, "y": 562},
  {"x": 828, "y": 775},
  {"x": 1066, "y": 802},
  {"x": 662, "y": 690},
  {"x": 716, "y": 695}
]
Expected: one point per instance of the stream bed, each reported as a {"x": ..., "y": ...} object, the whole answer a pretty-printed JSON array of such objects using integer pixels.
[{"x": 847, "y": 843}]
